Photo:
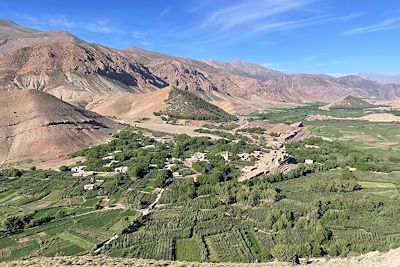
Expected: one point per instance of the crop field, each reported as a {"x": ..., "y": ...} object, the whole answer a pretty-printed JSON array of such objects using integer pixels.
[{"x": 345, "y": 203}]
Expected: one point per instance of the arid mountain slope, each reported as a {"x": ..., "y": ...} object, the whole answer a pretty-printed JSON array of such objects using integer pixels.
[
  {"x": 79, "y": 73},
  {"x": 239, "y": 79},
  {"x": 67, "y": 67},
  {"x": 129, "y": 107},
  {"x": 370, "y": 88},
  {"x": 14, "y": 36},
  {"x": 36, "y": 125},
  {"x": 246, "y": 69},
  {"x": 380, "y": 78}
]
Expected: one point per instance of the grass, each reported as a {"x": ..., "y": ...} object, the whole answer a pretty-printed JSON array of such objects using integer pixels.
[
  {"x": 188, "y": 250},
  {"x": 255, "y": 244},
  {"x": 6, "y": 242},
  {"x": 377, "y": 185},
  {"x": 78, "y": 241}
]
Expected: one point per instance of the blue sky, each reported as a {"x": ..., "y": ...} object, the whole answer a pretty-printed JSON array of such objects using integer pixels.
[{"x": 310, "y": 36}]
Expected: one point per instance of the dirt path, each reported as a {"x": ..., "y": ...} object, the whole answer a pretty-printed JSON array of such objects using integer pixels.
[
  {"x": 144, "y": 212},
  {"x": 173, "y": 129},
  {"x": 150, "y": 208}
]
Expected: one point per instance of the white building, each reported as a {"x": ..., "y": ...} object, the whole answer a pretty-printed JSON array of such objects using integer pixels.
[
  {"x": 122, "y": 169},
  {"x": 309, "y": 161}
]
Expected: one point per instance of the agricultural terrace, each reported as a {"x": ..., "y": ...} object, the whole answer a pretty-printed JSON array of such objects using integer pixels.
[{"x": 345, "y": 203}]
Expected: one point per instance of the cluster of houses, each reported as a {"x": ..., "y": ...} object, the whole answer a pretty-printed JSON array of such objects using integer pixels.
[
  {"x": 266, "y": 163},
  {"x": 94, "y": 183}
]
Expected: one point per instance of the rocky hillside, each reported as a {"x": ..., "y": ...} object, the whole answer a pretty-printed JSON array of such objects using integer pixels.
[
  {"x": 64, "y": 66},
  {"x": 36, "y": 125},
  {"x": 79, "y": 73},
  {"x": 348, "y": 102}
]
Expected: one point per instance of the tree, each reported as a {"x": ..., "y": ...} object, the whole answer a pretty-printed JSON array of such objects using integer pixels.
[
  {"x": 64, "y": 168},
  {"x": 161, "y": 177},
  {"x": 14, "y": 224},
  {"x": 138, "y": 170},
  {"x": 12, "y": 172}
]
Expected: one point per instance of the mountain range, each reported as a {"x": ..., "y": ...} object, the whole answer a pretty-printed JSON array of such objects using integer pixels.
[
  {"x": 380, "y": 78},
  {"x": 79, "y": 72},
  {"x": 55, "y": 89}
]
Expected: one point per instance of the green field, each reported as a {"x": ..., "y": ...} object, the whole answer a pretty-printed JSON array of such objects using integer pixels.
[
  {"x": 188, "y": 250},
  {"x": 347, "y": 202}
]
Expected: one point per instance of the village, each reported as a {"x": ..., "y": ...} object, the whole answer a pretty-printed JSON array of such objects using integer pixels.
[{"x": 270, "y": 159}]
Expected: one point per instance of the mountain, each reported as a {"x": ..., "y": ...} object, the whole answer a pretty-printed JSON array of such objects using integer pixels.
[
  {"x": 348, "y": 102},
  {"x": 64, "y": 66},
  {"x": 14, "y": 36},
  {"x": 36, "y": 125},
  {"x": 246, "y": 69},
  {"x": 380, "y": 78},
  {"x": 81, "y": 73},
  {"x": 371, "y": 88}
]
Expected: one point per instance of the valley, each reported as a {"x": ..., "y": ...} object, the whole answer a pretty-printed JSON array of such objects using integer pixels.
[
  {"x": 128, "y": 156},
  {"x": 350, "y": 176}
]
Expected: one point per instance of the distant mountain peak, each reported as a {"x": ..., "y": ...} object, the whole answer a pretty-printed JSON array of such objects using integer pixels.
[
  {"x": 381, "y": 78},
  {"x": 252, "y": 70}
]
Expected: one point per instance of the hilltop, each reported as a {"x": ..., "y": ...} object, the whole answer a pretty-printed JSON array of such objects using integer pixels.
[
  {"x": 36, "y": 125},
  {"x": 348, "y": 102},
  {"x": 186, "y": 105}
]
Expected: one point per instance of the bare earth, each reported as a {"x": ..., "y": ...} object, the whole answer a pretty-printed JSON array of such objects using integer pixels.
[
  {"x": 372, "y": 259},
  {"x": 378, "y": 117}
]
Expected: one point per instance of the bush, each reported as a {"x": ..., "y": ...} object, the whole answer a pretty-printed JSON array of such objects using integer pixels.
[{"x": 12, "y": 172}]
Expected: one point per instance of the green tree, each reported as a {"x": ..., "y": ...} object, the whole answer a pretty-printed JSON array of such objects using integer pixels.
[{"x": 14, "y": 224}]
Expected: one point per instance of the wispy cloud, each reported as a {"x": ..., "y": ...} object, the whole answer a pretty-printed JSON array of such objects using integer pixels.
[
  {"x": 61, "y": 21},
  {"x": 98, "y": 26},
  {"x": 245, "y": 18},
  {"x": 245, "y": 12},
  {"x": 385, "y": 25},
  {"x": 291, "y": 24},
  {"x": 165, "y": 11}
]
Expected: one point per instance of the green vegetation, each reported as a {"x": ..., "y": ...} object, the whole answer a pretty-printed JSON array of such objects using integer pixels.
[
  {"x": 345, "y": 203},
  {"x": 188, "y": 250}
]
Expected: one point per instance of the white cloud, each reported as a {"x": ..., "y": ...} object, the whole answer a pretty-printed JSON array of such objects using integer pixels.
[
  {"x": 385, "y": 25},
  {"x": 291, "y": 24},
  {"x": 252, "y": 11}
]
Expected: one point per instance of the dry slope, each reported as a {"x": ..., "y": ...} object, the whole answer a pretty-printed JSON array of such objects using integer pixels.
[{"x": 35, "y": 125}]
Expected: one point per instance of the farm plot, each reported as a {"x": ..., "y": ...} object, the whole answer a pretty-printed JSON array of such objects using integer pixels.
[{"x": 188, "y": 250}]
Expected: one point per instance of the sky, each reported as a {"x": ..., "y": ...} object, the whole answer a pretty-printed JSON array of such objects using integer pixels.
[{"x": 336, "y": 37}]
